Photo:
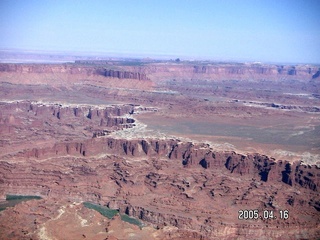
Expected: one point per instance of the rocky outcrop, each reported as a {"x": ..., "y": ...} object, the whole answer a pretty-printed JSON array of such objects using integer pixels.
[
  {"x": 59, "y": 110},
  {"x": 316, "y": 75},
  {"x": 189, "y": 156},
  {"x": 221, "y": 71},
  {"x": 167, "y": 174},
  {"x": 125, "y": 74},
  {"x": 254, "y": 70},
  {"x": 165, "y": 71},
  {"x": 306, "y": 176},
  {"x": 40, "y": 123},
  {"x": 70, "y": 69},
  {"x": 230, "y": 71},
  {"x": 64, "y": 111}
]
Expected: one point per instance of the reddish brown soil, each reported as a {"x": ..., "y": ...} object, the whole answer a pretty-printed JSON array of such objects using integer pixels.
[{"x": 183, "y": 156}]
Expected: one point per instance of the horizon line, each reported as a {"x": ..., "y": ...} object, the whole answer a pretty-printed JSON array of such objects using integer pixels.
[{"x": 141, "y": 56}]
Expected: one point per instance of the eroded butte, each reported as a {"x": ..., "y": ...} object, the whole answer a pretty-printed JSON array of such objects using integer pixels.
[{"x": 185, "y": 147}]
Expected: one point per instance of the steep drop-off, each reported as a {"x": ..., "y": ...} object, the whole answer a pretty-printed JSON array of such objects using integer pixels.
[{"x": 165, "y": 71}]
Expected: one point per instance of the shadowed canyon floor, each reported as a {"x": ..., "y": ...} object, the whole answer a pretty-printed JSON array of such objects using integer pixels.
[{"x": 181, "y": 147}]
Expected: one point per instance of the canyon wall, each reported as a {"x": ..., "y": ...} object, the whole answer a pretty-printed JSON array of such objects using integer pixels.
[
  {"x": 231, "y": 72},
  {"x": 187, "y": 155},
  {"x": 165, "y": 71},
  {"x": 70, "y": 69},
  {"x": 119, "y": 174}
]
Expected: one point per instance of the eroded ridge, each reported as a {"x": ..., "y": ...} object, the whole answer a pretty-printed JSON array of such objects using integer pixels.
[{"x": 45, "y": 123}]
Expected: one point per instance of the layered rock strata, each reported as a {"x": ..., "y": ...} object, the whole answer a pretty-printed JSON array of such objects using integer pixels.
[
  {"x": 166, "y": 174},
  {"x": 70, "y": 69},
  {"x": 163, "y": 71}
]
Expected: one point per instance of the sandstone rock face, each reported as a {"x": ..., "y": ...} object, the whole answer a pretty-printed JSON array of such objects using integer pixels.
[
  {"x": 188, "y": 155},
  {"x": 70, "y": 69},
  {"x": 178, "y": 71},
  {"x": 231, "y": 71},
  {"x": 125, "y": 74}
]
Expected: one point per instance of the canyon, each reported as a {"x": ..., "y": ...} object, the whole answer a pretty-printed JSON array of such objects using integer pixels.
[{"x": 183, "y": 147}]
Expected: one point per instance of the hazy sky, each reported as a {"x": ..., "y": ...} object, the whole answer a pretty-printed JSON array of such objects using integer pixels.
[{"x": 265, "y": 30}]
